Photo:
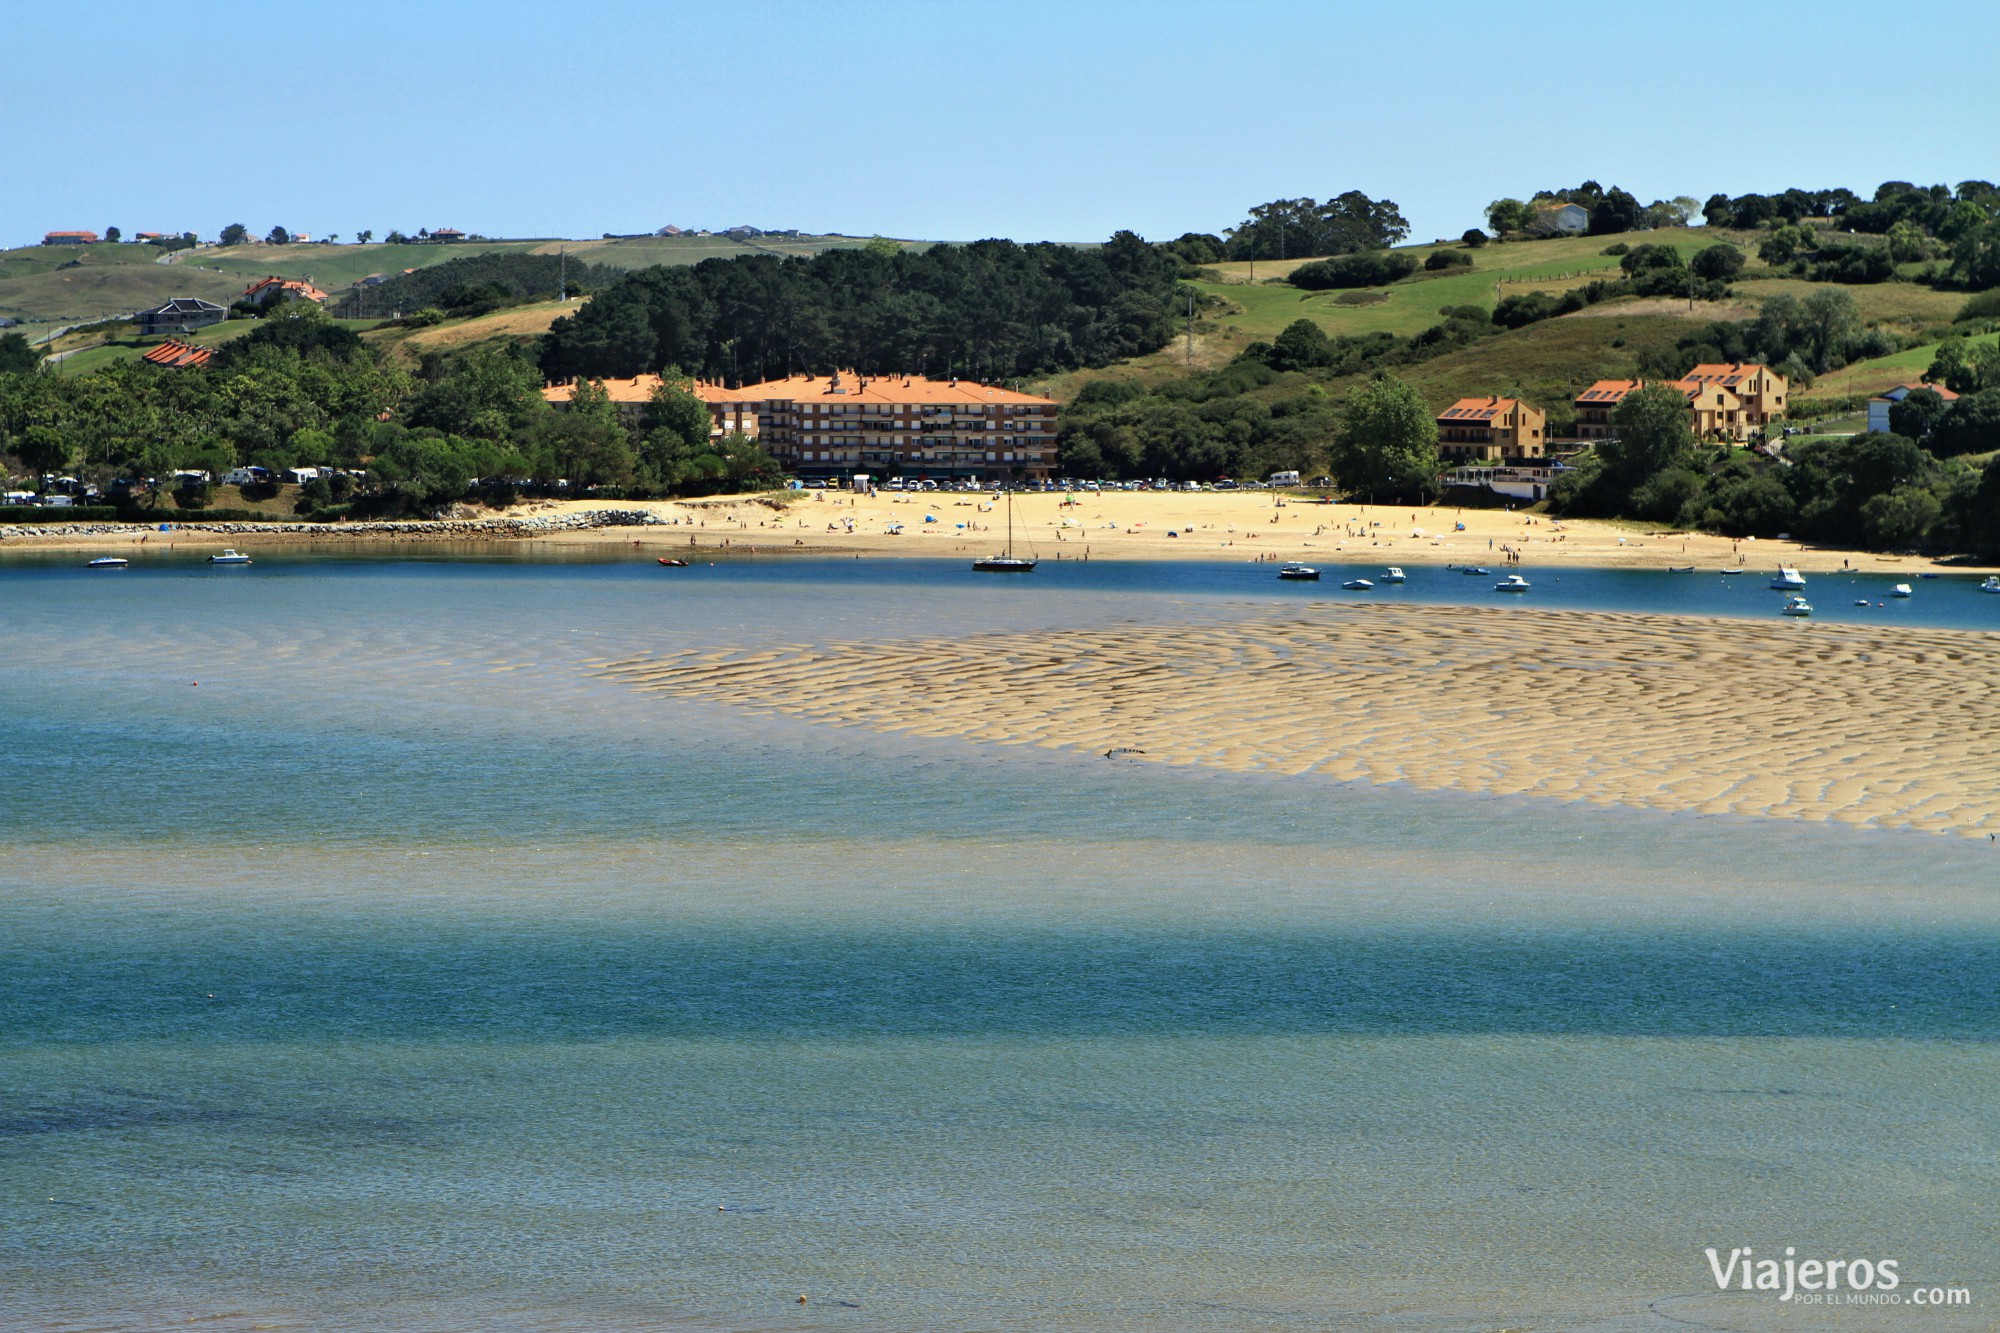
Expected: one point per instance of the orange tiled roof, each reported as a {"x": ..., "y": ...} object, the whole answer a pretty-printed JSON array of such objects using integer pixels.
[
  {"x": 1729, "y": 375},
  {"x": 1477, "y": 409},
  {"x": 305, "y": 289},
  {"x": 51, "y": 235},
  {"x": 174, "y": 352},
  {"x": 1609, "y": 391},
  {"x": 844, "y": 388},
  {"x": 1911, "y": 386}
]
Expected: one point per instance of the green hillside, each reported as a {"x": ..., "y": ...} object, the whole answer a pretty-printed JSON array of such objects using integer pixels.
[{"x": 55, "y": 285}]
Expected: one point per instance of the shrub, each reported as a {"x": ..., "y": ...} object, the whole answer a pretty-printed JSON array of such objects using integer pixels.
[
  {"x": 1986, "y": 305},
  {"x": 1720, "y": 262},
  {"x": 1375, "y": 268},
  {"x": 59, "y": 514},
  {"x": 1516, "y": 312},
  {"x": 1615, "y": 250},
  {"x": 1474, "y": 237},
  {"x": 1444, "y": 259}
]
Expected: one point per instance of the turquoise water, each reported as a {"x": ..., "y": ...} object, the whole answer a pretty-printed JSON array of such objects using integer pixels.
[{"x": 402, "y": 974}]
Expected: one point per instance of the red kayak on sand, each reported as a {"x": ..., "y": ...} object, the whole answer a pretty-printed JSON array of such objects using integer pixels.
[{"x": 676, "y": 564}]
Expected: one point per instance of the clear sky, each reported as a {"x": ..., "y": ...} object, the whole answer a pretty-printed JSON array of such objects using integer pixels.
[{"x": 956, "y": 119}]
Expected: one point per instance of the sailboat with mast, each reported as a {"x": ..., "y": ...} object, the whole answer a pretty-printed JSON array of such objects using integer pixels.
[{"x": 1007, "y": 562}]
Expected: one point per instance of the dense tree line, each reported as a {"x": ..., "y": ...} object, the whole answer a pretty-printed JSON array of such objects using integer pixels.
[
  {"x": 300, "y": 390},
  {"x": 992, "y": 310},
  {"x": 1298, "y": 228}
]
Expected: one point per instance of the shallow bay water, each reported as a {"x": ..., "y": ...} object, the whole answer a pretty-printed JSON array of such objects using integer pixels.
[{"x": 403, "y": 973}]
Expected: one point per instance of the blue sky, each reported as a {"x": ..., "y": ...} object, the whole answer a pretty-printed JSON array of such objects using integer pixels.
[{"x": 1032, "y": 119}]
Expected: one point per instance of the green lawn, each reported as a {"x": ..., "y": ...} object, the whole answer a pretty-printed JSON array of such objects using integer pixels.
[{"x": 1883, "y": 372}]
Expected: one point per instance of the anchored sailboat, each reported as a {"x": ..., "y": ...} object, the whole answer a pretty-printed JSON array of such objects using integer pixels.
[{"x": 1008, "y": 562}]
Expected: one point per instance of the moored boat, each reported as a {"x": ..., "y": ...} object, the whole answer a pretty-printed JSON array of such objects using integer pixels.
[
  {"x": 1798, "y": 606},
  {"x": 1732, "y": 571},
  {"x": 1992, "y": 583},
  {"x": 1006, "y": 562},
  {"x": 1357, "y": 585},
  {"x": 108, "y": 562},
  {"x": 1788, "y": 579},
  {"x": 671, "y": 563},
  {"x": 1900, "y": 590},
  {"x": 230, "y": 556},
  {"x": 1394, "y": 574},
  {"x": 1512, "y": 583},
  {"x": 1293, "y": 570}
]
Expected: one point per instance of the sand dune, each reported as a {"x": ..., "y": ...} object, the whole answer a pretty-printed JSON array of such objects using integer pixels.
[{"x": 1789, "y": 720}]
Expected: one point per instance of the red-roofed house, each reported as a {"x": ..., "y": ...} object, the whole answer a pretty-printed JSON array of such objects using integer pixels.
[
  {"x": 1492, "y": 429},
  {"x": 69, "y": 238},
  {"x": 1879, "y": 405},
  {"x": 1761, "y": 388},
  {"x": 1714, "y": 411},
  {"x": 447, "y": 235},
  {"x": 282, "y": 289}
]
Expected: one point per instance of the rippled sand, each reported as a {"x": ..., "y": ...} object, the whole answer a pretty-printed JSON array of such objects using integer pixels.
[{"x": 1787, "y": 719}]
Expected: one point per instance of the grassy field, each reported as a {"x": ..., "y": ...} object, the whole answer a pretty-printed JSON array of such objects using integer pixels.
[
  {"x": 76, "y": 284},
  {"x": 523, "y": 323},
  {"x": 1412, "y": 305},
  {"x": 1883, "y": 372}
]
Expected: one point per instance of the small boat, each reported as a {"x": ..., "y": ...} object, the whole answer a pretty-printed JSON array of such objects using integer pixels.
[
  {"x": 1474, "y": 569},
  {"x": 1680, "y": 569},
  {"x": 108, "y": 562},
  {"x": 1927, "y": 576},
  {"x": 672, "y": 563},
  {"x": 1788, "y": 580},
  {"x": 1799, "y": 606},
  {"x": 1732, "y": 571},
  {"x": 1294, "y": 570},
  {"x": 1861, "y": 601},
  {"x": 1512, "y": 583},
  {"x": 1357, "y": 585},
  {"x": 1006, "y": 562},
  {"x": 1992, "y": 583},
  {"x": 1900, "y": 590},
  {"x": 230, "y": 556},
  {"x": 1394, "y": 574}
]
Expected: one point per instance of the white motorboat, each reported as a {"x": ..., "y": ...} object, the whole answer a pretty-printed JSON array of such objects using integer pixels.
[
  {"x": 1900, "y": 590},
  {"x": 1732, "y": 571},
  {"x": 1357, "y": 585},
  {"x": 1394, "y": 574},
  {"x": 1788, "y": 580},
  {"x": 229, "y": 556},
  {"x": 1861, "y": 601},
  {"x": 1992, "y": 583},
  {"x": 108, "y": 562},
  {"x": 1292, "y": 569},
  {"x": 1798, "y": 606},
  {"x": 1512, "y": 583}
]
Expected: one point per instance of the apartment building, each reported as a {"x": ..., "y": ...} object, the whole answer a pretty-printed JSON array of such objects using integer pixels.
[
  {"x": 833, "y": 426},
  {"x": 1715, "y": 410},
  {"x": 1491, "y": 429}
]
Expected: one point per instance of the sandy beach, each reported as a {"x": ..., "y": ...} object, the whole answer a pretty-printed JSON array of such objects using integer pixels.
[
  {"x": 1226, "y": 526},
  {"x": 1785, "y": 720}
]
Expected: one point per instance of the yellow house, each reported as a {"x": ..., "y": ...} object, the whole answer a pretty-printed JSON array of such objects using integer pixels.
[
  {"x": 1492, "y": 429},
  {"x": 1760, "y": 389},
  {"x": 1714, "y": 411}
]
